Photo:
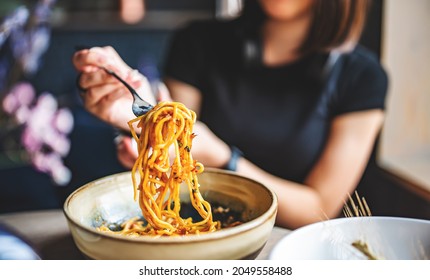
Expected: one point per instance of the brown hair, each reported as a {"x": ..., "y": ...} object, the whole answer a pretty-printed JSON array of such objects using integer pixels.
[{"x": 335, "y": 22}]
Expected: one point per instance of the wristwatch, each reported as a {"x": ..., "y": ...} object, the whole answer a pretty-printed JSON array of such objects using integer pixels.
[{"x": 235, "y": 155}]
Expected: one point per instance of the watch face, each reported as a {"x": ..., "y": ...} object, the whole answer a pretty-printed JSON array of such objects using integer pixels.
[{"x": 14, "y": 247}]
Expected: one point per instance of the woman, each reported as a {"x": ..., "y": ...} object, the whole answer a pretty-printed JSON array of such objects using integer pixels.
[{"x": 284, "y": 95}]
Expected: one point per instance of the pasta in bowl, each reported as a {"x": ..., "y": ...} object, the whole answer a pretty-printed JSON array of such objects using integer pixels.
[{"x": 109, "y": 201}]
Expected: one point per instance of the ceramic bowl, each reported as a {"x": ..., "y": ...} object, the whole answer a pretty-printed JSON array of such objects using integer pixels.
[
  {"x": 110, "y": 199},
  {"x": 390, "y": 238}
]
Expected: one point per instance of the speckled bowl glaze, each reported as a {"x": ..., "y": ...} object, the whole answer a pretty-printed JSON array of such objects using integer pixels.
[{"x": 111, "y": 199}]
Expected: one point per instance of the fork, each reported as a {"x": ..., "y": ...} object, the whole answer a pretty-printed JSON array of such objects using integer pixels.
[{"x": 139, "y": 106}]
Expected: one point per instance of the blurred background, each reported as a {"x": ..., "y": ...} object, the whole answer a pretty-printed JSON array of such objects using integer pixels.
[{"x": 140, "y": 30}]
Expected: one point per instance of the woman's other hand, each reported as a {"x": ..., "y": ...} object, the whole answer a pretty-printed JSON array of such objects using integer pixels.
[
  {"x": 207, "y": 148},
  {"x": 126, "y": 150}
]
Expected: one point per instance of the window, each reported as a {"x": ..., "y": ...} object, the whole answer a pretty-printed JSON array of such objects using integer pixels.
[{"x": 405, "y": 142}]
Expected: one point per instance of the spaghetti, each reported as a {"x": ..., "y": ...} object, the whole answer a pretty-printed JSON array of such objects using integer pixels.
[{"x": 169, "y": 125}]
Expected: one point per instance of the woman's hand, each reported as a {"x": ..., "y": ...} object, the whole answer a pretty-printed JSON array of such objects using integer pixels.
[
  {"x": 104, "y": 96},
  {"x": 207, "y": 148},
  {"x": 126, "y": 150}
]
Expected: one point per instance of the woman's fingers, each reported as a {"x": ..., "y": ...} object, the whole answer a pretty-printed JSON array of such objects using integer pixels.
[
  {"x": 96, "y": 78},
  {"x": 89, "y": 60},
  {"x": 108, "y": 57},
  {"x": 110, "y": 92},
  {"x": 126, "y": 152},
  {"x": 110, "y": 104},
  {"x": 117, "y": 60},
  {"x": 102, "y": 94}
]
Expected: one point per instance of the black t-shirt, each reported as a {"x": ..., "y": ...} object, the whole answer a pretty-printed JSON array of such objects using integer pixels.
[{"x": 278, "y": 116}]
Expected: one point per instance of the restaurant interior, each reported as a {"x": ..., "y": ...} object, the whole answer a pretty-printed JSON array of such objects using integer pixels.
[{"x": 141, "y": 34}]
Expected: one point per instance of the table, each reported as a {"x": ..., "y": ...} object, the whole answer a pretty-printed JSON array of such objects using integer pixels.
[{"x": 48, "y": 232}]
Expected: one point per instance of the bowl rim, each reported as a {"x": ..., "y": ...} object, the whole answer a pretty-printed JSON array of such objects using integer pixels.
[
  {"x": 283, "y": 242},
  {"x": 270, "y": 214},
  {"x": 341, "y": 220}
]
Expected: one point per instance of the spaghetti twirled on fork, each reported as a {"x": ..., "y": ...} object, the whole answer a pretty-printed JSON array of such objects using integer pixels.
[{"x": 157, "y": 181}]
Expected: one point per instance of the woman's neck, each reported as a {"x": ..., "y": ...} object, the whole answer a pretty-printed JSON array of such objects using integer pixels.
[{"x": 281, "y": 40}]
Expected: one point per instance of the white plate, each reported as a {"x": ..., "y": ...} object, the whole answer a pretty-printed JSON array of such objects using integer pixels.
[{"x": 387, "y": 237}]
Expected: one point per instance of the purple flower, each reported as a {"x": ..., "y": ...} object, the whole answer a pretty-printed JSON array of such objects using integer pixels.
[
  {"x": 45, "y": 162},
  {"x": 31, "y": 140},
  {"x": 45, "y": 136},
  {"x": 38, "y": 124},
  {"x": 52, "y": 164},
  {"x": 22, "y": 114},
  {"x": 63, "y": 121},
  {"x": 56, "y": 142},
  {"x": 10, "y": 104},
  {"x": 28, "y": 44},
  {"x": 34, "y": 45},
  {"x": 44, "y": 127},
  {"x": 21, "y": 95},
  {"x": 16, "y": 20},
  {"x": 44, "y": 109},
  {"x": 43, "y": 10},
  {"x": 61, "y": 175},
  {"x": 25, "y": 93}
]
